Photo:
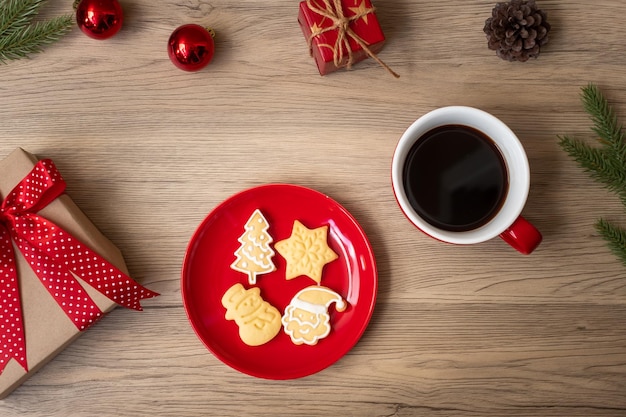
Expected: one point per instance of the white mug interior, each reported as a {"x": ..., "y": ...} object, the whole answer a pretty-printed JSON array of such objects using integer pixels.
[{"x": 518, "y": 171}]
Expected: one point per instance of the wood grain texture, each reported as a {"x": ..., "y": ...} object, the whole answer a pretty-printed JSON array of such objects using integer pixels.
[{"x": 148, "y": 150}]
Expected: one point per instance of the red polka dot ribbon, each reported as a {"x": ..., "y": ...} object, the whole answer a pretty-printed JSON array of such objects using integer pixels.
[{"x": 54, "y": 255}]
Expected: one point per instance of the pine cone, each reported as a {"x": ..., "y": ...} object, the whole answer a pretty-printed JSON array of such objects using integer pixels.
[{"x": 517, "y": 30}]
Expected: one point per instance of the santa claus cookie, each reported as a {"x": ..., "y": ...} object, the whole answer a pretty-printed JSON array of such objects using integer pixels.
[
  {"x": 306, "y": 251},
  {"x": 258, "y": 320},
  {"x": 306, "y": 319}
]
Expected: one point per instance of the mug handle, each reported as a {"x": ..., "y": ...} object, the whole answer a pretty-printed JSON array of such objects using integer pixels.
[{"x": 522, "y": 236}]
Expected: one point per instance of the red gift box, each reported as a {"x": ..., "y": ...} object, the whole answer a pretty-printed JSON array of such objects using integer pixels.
[{"x": 341, "y": 32}]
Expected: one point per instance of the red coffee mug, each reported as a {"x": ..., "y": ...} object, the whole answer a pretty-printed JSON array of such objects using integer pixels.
[{"x": 507, "y": 221}]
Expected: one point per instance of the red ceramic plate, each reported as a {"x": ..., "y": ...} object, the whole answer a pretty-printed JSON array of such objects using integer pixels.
[{"x": 206, "y": 275}]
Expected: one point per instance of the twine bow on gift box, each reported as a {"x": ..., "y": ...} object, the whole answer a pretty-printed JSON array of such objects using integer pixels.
[
  {"x": 333, "y": 10},
  {"x": 54, "y": 255}
]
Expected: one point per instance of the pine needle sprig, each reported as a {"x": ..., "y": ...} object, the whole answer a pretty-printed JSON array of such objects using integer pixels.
[
  {"x": 614, "y": 236},
  {"x": 16, "y": 14},
  {"x": 605, "y": 163},
  {"x": 598, "y": 163},
  {"x": 605, "y": 123},
  {"x": 20, "y": 36}
]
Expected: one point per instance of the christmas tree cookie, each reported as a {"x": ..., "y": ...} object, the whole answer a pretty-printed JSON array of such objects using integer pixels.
[{"x": 254, "y": 255}]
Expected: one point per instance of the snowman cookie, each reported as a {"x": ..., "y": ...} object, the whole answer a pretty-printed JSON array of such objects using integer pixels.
[{"x": 258, "y": 321}]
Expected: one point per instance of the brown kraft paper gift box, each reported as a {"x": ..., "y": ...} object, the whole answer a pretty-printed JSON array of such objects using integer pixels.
[{"x": 47, "y": 329}]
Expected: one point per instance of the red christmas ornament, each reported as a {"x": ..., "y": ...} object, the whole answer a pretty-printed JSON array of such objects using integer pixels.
[
  {"x": 99, "y": 19},
  {"x": 191, "y": 47}
]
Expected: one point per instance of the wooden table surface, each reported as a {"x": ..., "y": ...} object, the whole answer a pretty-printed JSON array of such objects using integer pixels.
[{"x": 148, "y": 151}]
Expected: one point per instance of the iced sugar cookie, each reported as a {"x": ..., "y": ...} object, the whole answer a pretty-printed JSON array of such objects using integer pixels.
[
  {"x": 306, "y": 319},
  {"x": 306, "y": 252},
  {"x": 254, "y": 255}
]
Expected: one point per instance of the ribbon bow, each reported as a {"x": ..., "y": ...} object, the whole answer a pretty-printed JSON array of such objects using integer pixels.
[
  {"x": 54, "y": 255},
  {"x": 341, "y": 23}
]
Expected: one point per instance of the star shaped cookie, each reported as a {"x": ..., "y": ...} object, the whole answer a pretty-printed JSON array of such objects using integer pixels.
[{"x": 306, "y": 252}]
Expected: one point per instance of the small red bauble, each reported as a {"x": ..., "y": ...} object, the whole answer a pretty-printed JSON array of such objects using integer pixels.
[
  {"x": 99, "y": 19},
  {"x": 191, "y": 47}
]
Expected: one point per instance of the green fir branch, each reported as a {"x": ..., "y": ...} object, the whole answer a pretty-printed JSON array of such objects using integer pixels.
[
  {"x": 598, "y": 163},
  {"x": 605, "y": 163},
  {"x": 19, "y": 36},
  {"x": 615, "y": 237},
  {"x": 17, "y": 14},
  {"x": 605, "y": 123}
]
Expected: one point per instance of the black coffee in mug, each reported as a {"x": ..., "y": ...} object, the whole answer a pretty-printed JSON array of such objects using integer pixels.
[{"x": 455, "y": 178}]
